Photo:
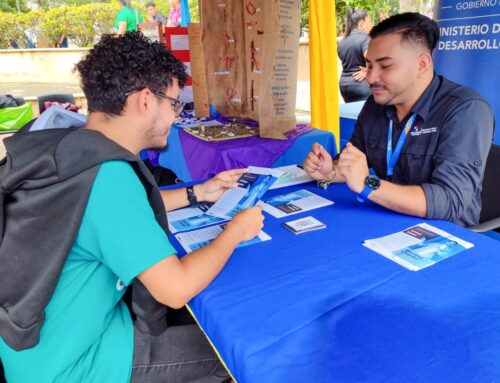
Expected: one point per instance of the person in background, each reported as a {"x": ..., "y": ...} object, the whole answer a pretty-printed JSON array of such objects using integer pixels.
[
  {"x": 421, "y": 141},
  {"x": 62, "y": 42},
  {"x": 154, "y": 15},
  {"x": 174, "y": 17},
  {"x": 128, "y": 18},
  {"x": 352, "y": 51}
]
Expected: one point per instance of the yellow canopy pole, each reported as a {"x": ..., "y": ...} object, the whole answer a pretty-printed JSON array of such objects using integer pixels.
[{"x": 323, "y": 58}]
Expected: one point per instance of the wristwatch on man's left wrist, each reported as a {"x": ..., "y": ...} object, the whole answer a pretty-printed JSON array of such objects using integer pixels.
[
  {"x": 191, "y": 196},
  {"x": 372, "y": 183}
]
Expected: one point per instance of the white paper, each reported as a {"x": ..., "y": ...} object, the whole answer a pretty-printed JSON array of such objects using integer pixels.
[
  {"x": 194, "y": 240},
  {"x": 292, "y": 175},
  {"x": 418, "y": 246},
  {"x": 275, "y": 172},
  {"x": 293, "y": 203}
]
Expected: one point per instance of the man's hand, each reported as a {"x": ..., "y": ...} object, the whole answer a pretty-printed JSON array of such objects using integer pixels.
[
  {"x": 212, "y": 189},
  {"x": 247, "y": 223},
  {"x": 354, "y": 167},
  {"x": 360, "y": 75},
  {"x": 318, "y": 163}
]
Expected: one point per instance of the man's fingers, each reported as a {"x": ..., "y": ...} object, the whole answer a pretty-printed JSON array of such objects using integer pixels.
[{"x": 317, "y": 148}]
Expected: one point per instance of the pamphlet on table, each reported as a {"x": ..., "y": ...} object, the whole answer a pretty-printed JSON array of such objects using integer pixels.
[
  {"x": 197, "y": 239},
  {"x": 293, "y": 203},
  {"x": 251, "y": 187},
  {"x": 418, "y": 246}
]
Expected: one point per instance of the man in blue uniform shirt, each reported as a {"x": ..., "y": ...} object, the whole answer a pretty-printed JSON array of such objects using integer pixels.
[{"x": 425, "y": 138}]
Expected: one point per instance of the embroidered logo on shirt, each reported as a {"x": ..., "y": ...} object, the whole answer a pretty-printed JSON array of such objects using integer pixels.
[
  {"x": 418, "y": 130},
  {"x": 119, "y": 285}
]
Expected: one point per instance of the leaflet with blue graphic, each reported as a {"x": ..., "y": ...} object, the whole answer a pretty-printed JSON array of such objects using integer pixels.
[
  {"x": 194, "y": 240},
  {"x": 418, "y": 247},
  {"x": 293, "y": 203},
  {"x": 251, "y": 187},
  {"x": 191, "y": 218}
]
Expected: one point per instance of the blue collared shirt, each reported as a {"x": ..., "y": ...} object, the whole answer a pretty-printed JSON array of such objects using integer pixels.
[{"x": 445, "y": 152}]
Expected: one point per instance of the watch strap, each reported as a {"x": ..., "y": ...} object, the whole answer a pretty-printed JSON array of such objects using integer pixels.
[
  {"x": 363, "y": 195},
  {"x": 191, "y": 196}
]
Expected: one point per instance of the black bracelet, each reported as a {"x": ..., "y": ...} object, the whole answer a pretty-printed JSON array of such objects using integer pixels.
[{"x": 193, "y": 201}]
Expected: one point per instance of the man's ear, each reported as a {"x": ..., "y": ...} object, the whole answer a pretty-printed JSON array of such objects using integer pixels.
[
  {"x": 424, "y": 63},
  {"x": 144, "y": 100}
]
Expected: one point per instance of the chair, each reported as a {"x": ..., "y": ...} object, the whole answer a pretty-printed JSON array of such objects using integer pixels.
[
  {"x": 56, "y": 97},
  {"x": 489, "y": 218}
]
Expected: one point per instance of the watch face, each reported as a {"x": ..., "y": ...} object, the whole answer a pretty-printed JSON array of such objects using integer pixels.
[{"x": 372, "y": 182}]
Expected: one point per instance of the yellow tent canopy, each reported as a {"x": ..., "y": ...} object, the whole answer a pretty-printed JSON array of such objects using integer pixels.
[{"x": 323, "y": 58}]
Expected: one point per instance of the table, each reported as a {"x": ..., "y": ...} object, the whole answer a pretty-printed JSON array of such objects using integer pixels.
[
  {"x": 320, "y": 307},
  {"x": 174, "y": 158}
]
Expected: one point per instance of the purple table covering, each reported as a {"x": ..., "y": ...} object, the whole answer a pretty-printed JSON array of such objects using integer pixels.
[{"x": 205, "y": 159}]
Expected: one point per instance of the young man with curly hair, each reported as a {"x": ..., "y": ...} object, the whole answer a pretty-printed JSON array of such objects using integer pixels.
[{"x": 82, "y": 220}]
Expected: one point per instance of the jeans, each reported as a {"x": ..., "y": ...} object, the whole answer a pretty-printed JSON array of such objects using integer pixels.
[{"x": 180, "y": 354}]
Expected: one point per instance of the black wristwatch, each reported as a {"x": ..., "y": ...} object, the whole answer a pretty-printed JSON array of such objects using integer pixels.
[
  {"x": 193, "y": 201},
  {"x": 371, "y": 183}
]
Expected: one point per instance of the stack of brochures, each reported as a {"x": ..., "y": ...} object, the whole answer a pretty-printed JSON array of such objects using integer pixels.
[
  {"x": 418, "y": 247},
  {"x": 304, "y": 225}
]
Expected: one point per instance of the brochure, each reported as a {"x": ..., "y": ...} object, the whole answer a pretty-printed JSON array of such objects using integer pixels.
[
  {"x": 190, "y": 218},
  {"x": 251, "y": 187},
  {"x": 304, "y": 225},
  {"x": 196, "y": 239},
  {"x": 293, "y": 203},
  {"x": 292, "y": 175},
  {"x": 418, "y": 247}
]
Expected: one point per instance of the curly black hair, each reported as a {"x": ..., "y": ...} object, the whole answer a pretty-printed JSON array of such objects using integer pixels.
[
  {"x": 413, "y": 27},
  {"x": 117, "y": 65}
]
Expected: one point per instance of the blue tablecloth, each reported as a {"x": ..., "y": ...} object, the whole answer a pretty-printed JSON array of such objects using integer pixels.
[
  {"x": 320, "y": 307},
  {"x": 348, "y": 115},
  {"x": 173, "y": 157}
]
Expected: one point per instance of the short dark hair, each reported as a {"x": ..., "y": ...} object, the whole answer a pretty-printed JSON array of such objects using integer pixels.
[
  {"x": 413, "y": 27},
  {"x": 117, "y": 65},
  {"x": 150, "y": 4}
]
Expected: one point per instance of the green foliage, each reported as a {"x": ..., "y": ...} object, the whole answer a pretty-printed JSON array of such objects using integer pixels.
[
  {"x": 304, "y": 14},
  {"x": 7, "y": 23},
  {"x": 10, "y": 6},
  {"x": 373, "y": 7},
  {"x": 84, "y": 21}
]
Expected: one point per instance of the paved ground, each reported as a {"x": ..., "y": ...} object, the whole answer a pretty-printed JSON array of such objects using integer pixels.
[{"x": 37, "y": 88}]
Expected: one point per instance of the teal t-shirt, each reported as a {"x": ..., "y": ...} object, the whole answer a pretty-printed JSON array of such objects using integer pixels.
[
  {"x": 131, "y": 16},
  {"x": 88, "y": 334}
]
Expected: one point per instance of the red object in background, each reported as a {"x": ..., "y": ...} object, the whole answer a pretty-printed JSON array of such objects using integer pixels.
[{"x": 177, "y": 41}]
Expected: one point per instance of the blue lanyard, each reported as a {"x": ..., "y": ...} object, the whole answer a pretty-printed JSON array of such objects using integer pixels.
[{"x": 392, "y": 159}]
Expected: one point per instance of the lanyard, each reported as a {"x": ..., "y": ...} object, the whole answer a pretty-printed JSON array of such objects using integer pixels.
[{"x": 392, "y": 158}]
